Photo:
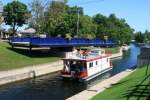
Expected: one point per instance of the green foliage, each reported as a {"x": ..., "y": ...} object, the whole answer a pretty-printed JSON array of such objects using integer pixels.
[
  {"x": 142, "y": 37},
  {"x": 15, "y": 14},
  {"x": 75, "y": 10},
  {"x": 147, "y": 36},
  {"x": 55, "y": 23},
  {"x": 113, "y": 27},
  {"x": 139, "y": 37},
  {"x": 87, "y": 27}
]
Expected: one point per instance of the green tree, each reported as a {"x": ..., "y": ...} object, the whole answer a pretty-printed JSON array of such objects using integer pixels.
[
  {"x": 113, "y": 27},
  {"x": 55, "y": 14},
  {"x": 87, "y": 28},
  {"x": 147, "y": 36},
  {"x": 15, "y": 14},
  {"x": 100, "y": 21},
  {"x": 139, "y": 37},
  {"x": 75, "y": 10},
  {"x": 71, "y": 22}
]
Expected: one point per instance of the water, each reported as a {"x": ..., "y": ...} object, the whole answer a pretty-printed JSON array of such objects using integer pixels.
[
  {"x": 129, "y": 60},
  {"x": 53, "y": 87}
]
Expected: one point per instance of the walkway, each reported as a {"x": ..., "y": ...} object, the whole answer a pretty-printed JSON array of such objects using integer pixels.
[{"x": 100, "y": 87}]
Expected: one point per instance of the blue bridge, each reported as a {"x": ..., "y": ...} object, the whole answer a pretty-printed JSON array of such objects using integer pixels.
[{"x": 59, "y": 42}]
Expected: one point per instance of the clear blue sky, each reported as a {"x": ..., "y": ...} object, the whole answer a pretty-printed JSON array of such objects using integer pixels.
[{"x": 135, "y": 12}]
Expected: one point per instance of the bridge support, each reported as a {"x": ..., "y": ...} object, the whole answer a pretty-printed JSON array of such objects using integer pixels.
[{"x": 63, "y": 49}]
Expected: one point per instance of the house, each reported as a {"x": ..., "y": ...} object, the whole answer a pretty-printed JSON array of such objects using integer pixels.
[{"x": 30, "y": 32}]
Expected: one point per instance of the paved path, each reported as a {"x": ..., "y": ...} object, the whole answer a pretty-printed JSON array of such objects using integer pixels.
[{"x": 100, "y": 87}]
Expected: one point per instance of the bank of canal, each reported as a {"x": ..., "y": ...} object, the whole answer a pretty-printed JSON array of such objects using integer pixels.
[{"x": 52, "y": 87}]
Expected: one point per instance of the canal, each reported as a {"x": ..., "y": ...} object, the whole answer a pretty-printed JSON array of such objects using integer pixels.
[{"x": 52, "y": 87}]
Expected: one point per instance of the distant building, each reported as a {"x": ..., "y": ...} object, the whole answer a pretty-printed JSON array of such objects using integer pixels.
[{"x": 30, "y": 32}]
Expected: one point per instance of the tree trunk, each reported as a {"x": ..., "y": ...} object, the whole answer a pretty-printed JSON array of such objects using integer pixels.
[{"x": 14, "y": 30}]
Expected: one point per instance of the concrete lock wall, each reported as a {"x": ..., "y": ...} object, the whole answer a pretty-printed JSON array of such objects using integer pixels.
[
  {"x": 142, "y": 62},
  {"x": 29, "y": 72},
  {"x": 144, "y": 57}
]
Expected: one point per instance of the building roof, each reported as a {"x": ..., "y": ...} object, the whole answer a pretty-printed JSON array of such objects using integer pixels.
[{"x": 29, "y": 30}]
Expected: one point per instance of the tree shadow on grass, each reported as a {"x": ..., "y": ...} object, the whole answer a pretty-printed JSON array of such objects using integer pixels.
[
  {"x": 140, "y": 91},
  {"x": 121, "y": 82},
  {"x": 40, "y": 53}
]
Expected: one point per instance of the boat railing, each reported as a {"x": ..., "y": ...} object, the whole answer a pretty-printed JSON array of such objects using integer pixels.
[{"x": 77, "y": 55}]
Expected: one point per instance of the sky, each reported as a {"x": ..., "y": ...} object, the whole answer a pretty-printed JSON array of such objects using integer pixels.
[{"x": 135, "y": 12}]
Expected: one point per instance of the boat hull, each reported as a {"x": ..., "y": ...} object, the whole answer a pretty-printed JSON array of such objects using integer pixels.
[{"x": 88, "y": 78}]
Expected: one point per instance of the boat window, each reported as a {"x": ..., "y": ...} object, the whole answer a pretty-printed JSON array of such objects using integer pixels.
[
  {"x": 96, "y": 62},
  {"x": 91, "y": 64},
  {"x": 94, "y": 51}
]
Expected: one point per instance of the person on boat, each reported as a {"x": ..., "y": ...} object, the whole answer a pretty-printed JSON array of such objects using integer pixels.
[
  {"x": 67, "y": 68},
  {"x": 78, "y": 66}
]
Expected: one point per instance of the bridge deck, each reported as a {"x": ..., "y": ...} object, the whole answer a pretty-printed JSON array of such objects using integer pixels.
[{"x": 60, "y": 42}]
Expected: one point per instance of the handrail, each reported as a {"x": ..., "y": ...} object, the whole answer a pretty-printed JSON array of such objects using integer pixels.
[{"x": 62, "y": 41}]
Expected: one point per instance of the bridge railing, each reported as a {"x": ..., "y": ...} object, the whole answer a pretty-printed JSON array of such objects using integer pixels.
[
  {"x": 14, "y": 39},
  {"x": 48, "y": 41},
  {"x": 63, "y": 42}
]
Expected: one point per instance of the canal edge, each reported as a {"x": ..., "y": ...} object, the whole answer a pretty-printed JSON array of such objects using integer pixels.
[
  {"x": 100, "y": 87},
  {"x": 28, "y": 72}
]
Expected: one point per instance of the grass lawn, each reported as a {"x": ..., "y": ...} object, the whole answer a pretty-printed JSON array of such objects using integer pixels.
[
  {"x": 17, "y": 58},
  {"x": 112, "y": 50},
  {"x": 134, "y": 87}
]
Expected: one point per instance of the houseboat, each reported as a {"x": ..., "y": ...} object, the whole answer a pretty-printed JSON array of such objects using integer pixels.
[
  {"x": 125, "y": 47},
  {"x": 86, "y": 65}
]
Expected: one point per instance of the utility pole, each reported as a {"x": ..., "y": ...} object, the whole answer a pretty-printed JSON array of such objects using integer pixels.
[{"x": 78, "y": 21}]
